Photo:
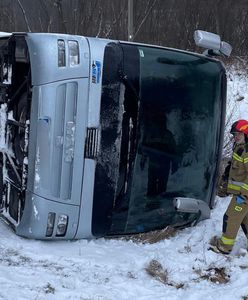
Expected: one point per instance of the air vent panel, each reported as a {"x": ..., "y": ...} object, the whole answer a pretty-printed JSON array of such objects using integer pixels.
[{"x": 91, "y": 143}]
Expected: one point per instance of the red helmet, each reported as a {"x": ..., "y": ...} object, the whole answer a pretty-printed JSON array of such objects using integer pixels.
[{"x": 240, "y": 126}]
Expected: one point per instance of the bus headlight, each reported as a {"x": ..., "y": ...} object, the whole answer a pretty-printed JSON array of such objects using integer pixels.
[
  {"x": 62, "y": 225},
  {"x": 73, "y": 53},
  {"x": 50, "y": 224},
  {"x": 61, "y": 53}
]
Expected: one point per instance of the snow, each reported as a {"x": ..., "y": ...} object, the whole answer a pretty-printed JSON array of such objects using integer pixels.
[
  {"x": 7, "y": 73},
  {"x": 3, "y": 118},
  {"x": 115, "y": 269},
  {"x": 237, "y": 92}
]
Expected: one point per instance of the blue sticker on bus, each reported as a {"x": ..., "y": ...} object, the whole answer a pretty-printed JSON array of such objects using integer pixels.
[{"x": 96, "y": 71}]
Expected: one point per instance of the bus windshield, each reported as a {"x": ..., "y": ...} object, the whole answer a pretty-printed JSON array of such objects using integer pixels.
[{"x": 173, "y": 147}]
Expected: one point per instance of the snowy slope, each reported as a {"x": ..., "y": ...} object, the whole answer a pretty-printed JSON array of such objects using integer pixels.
[
  {"x": 115, "y": 269},
  {"x": 237, "y": 91}
]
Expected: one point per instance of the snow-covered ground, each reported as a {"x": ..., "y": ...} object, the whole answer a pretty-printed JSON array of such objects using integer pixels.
[{"x": 116, "y": 269}]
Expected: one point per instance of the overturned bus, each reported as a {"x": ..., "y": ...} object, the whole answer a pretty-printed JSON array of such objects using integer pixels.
[{"x": 102, "y": 137}]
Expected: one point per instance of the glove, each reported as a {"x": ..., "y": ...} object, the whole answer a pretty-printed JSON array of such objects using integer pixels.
[
  {"x": 222, "y": 188},
  {"x": 240, "y": 199}
]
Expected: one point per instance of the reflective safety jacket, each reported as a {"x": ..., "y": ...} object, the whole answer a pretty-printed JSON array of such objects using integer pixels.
[{"x": 238, "y": 176}]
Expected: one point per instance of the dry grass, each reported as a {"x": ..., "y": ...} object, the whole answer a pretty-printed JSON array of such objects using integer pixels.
[
  {"x": 156, "y": 270},
  {"x": 49, "y": 289},
  {"x": 214, "y": 274},
  {"x": 152, "y": 236}
]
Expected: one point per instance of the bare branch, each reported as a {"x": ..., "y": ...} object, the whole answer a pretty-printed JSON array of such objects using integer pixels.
[
  {"x": 24, "y": 15},
  {"x": 144, "y": 19},
  {"x": 100, "y": 23},
  {"x": 116, "y": 19}
]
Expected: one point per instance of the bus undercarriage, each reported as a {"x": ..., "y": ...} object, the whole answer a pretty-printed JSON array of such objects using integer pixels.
[{"x": 15, "y": 99}]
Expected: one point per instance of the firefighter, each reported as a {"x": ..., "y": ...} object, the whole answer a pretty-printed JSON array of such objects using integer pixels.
[{"x": 236, "y": 214}]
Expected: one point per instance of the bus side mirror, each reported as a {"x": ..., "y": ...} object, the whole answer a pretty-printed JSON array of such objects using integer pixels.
[
  {"x": 212, "y": 42},
  {"x": 193, "y": 206},
  {"x": 3, "y": 34}
]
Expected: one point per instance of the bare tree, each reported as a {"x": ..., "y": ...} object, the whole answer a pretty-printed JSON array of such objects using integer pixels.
[
  {"x": 169, "y": 23},
  {"x": 24, "y": 15}
]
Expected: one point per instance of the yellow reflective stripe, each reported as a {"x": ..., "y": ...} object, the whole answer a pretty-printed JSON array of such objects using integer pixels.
[
  {"x": 227, "y": 241},
  {"x": 233, "y": 187},
  {"x": 246, "y": 160},
  {"x": 238, "y": 208},
  {"x": 245, "y": 186},
  {"x": 237, "y": 157}
]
